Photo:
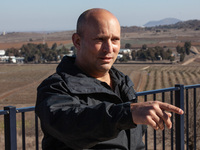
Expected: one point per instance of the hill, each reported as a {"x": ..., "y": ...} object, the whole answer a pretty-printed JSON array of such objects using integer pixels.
[
  {"x": 190, "y": 24},
  {"x": 166, "y": 21}
]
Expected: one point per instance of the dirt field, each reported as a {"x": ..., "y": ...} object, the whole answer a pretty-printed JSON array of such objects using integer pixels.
[
  {"x": 18, "y": 83},
  {"x": 19, "y": 44}
]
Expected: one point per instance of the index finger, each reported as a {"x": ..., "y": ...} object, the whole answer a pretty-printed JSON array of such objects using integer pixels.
[{"x": 171, "y": 108}]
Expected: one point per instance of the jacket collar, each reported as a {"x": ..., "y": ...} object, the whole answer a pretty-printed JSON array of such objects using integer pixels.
[{"x": 78, "y": 82}]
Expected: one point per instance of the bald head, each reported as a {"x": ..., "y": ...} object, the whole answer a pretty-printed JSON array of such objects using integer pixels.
[
  {"x": 93, "y": 16},
  {"x": 97, "y": 41}
]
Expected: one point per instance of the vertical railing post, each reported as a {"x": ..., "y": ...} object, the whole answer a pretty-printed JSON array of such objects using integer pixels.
[
  {"x": 36, "y": 133},
  {"x": 10, "y": 128},
  {"x": 179, "y": 119}
]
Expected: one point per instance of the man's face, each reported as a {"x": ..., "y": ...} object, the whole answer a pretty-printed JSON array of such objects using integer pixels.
[{"x": 99, "y": 45}]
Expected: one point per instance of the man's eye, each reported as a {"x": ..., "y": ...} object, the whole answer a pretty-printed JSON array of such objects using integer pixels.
[
  {"x": 100, "y": 39},
  {"x": 115, "y": 39}
]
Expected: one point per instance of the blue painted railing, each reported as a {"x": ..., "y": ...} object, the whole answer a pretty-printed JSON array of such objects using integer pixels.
[{"x": 185, "y": 97}]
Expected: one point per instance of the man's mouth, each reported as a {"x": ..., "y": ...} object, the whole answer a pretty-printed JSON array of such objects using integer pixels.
[{"x": 106, "y": 59}]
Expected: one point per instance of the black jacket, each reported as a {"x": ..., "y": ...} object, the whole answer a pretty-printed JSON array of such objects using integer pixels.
[{"x": 80, "y": 112}]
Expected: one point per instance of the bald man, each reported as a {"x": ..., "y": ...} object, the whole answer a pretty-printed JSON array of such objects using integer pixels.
[{"x": 89, "y": 104}]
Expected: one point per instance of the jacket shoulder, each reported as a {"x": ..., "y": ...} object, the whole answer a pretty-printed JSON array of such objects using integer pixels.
[
  {"x": 125, "y": 78},
  {"x": 51, "y": 79}
]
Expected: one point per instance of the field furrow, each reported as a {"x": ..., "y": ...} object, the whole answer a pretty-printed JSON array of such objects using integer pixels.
[{"x": 151, "y": 84}]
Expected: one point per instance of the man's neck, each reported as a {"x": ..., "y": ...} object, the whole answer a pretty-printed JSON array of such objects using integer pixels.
[
  {"x": 102, "y": 76},
  {"x": 106, "y": 78}
]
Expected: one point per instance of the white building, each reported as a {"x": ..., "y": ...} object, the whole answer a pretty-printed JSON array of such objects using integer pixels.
[
  {"x": 119, "y": 56},
  {"x": 4, "y": 33},
  {"x": 124, "y": 51},
  {"x": 12, "y": 59},
  {"x": 2, "y": 55},
  {"x": 2, "y": 52}
]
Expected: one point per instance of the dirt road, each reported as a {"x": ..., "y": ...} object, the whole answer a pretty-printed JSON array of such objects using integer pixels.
[{"x": 191, "y": 60}]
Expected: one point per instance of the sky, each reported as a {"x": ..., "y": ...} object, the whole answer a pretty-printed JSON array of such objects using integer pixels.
[{"x": 61, "y": 15}]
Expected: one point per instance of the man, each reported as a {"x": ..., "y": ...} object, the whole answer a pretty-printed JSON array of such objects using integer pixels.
[{"x": 88, "y": 103}]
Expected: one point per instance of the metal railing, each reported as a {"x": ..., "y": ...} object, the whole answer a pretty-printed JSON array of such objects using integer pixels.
[
  {"x": 10, "y": 124},
  {"x": 180, "y": 138},
  {"x": 183, "y": 97}
]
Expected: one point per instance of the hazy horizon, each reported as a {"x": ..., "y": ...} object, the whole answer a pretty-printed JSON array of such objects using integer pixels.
[{"x": 50, "y": 15}]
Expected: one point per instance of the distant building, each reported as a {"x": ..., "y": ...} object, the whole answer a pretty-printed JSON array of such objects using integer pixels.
[
  {"x": 70, "y": 53},
  {"x": 10, "y": 59},
  {"x": 4, "y": 59},
  {"x": 2, "y": 55},
  {"x": 124, "y": 51},
  {"x": 159, "y": 57},
  {"x": 119, "y": 56},
  {"x": 19, "y": 60},
  {"x": 3, "y": 33},
  {"x": 2, "y": 52}
]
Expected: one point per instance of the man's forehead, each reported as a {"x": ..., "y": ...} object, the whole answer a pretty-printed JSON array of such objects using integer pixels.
[
  {"x": 100, "y": 22},
  {"x": 100, "y": 15},
  {"x": 98, "y": 12},
  {"x": 112, "y": 35}
]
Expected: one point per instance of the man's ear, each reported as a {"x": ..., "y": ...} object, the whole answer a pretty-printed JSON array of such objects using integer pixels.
[{"x": 76, "y": 40}]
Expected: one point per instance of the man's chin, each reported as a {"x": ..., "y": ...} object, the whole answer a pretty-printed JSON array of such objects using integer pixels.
[{"x": 106, "y": 67}]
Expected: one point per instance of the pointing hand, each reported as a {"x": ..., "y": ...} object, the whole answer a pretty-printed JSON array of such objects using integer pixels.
[{"x": 154, "y": 113}]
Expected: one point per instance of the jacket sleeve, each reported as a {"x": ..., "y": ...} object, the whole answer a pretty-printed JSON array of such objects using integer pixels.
[{"x": 77, "y": 124}]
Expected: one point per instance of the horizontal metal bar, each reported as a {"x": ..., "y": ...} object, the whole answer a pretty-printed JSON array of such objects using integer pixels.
[
  {"x": 157, "y": 91},
  {"x": 25, "y": 109},
  {"x": 4, "y": 112},
  {"x": 192, "y": 86}
]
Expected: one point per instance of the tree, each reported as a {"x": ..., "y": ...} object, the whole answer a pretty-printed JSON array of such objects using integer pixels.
[
  {"x": 187, "y": 47},
  {"x": 178, "y": 49},
  {"x": 151, "y": 54},
  {"x": 54, "y": 46},
  {"x": 128, "y": 45},
  {"x": 182, "y": 57},
  {"x": 144, "y": 46},
  {"x": 142, "y": 55},
  {"x": 133, "y": 54}
]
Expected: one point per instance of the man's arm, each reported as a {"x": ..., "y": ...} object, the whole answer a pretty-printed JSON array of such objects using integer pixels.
[
  {"x": 78, "y": 123},
  {"x": 154, "y": 113}
]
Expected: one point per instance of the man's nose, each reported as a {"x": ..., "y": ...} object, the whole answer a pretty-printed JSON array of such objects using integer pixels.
[{"x": 107, "y": 47}]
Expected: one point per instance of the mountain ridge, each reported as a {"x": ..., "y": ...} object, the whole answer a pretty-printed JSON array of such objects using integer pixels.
[
  {"x": 189, "y": 24},
  {"x": 166, "y": 21}
]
